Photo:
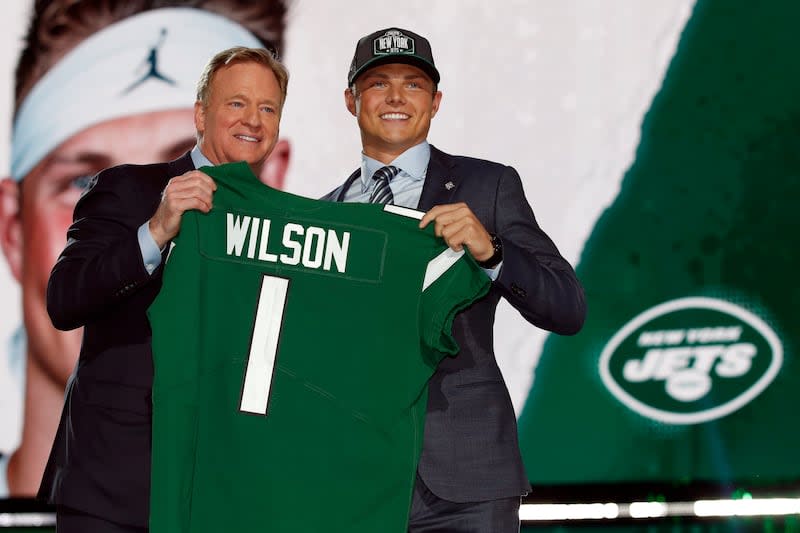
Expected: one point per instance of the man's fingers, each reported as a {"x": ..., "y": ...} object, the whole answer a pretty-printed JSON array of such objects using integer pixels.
[
  {"x": 459, "y": 235},
  {"x": 194, "y": 191},
  {"x": 436, "y": 212},
  {"x": 426, "y": 218},
  {"x": 452, "y": 231},
  {"x": 190, "y": 185},
  {"x": 181, "y": 205},
  {"x": 461, "y": 228},
  {"x": 197, "y": 186},
  {"x": 191, "y": 179},
  {"x": 168, "y": 216}
]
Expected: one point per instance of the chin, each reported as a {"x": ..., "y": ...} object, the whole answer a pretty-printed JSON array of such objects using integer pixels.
[{"x": 250, "y": 158}]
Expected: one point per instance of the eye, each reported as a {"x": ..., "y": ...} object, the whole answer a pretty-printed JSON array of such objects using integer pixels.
[
  {"x": 67, "y": 190},
  {"x": 267, "y": 109},
  {"x": 82, "y": 183},
  {"x": 413, "y": 85},
  {"x": 236, "y": 104}
]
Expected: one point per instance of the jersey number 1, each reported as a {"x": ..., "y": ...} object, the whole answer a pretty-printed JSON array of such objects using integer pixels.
[{"x": 264, "y": 345}]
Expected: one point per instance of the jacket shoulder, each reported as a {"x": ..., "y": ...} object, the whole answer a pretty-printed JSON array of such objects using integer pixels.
[
  {"x": 137, "y": 177},
  {"x": 466, "y": 162}
]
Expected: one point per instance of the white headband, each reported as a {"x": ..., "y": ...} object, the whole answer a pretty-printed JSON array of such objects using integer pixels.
[{"x": 148, "y": 62}]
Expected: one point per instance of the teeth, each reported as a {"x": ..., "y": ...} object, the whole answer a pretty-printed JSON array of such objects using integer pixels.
[
  {"x": 394, "y": 116},
  {"x": 247, "y": 138}
]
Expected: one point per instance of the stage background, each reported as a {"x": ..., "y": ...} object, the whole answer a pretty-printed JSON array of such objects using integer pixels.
[
  {"x": 652, "y": 137},
  {"x": 556, "y": 89}
]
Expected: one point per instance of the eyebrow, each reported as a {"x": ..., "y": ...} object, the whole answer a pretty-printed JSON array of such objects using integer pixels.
[
  {"x": 239, "y": 96},
  {"x": 97, "y": 159},
  {"x": 101, "y": 160}
]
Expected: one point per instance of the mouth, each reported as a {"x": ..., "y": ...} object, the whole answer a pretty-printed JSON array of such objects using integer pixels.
[
  {"x": 248, "y": 138},
  {"x": 395, "y": 116}
]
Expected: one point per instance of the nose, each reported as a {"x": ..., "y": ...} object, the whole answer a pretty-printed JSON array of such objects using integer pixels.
[
  {"x": 395, "y": 95},
  {"x": 250, "y": 116}
]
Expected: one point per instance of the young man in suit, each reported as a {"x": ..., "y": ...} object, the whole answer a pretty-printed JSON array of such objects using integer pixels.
[
  {"x": 98, "y": 473},
  {"x": 127, "y": 100},
  {"x": 470, "y": 476}
]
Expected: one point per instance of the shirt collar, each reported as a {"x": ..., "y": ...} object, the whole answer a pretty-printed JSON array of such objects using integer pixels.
[
  {"x": 412, "y": 163},
  {"x": 199, "y": 159}
]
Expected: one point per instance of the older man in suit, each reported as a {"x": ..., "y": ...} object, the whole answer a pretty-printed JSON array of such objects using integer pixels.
[
  {"x": 470, "y": 476},
  {"x": 87, "y": 60},
  {"x": 98, "y": 473}
]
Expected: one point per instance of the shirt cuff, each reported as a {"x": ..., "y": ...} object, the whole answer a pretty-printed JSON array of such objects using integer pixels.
[
  {"x": 151, "y": 255},
  {"x": 493, "y": 273}
]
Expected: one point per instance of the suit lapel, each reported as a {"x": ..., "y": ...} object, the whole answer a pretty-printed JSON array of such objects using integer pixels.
[
  {"x": 180, "y": 166},
  {"x": 441, "y": 183},
  {"x": 346, "y": 187}
]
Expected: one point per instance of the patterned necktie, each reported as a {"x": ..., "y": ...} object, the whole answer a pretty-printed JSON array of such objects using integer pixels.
[{"x": 382, "y": 193}]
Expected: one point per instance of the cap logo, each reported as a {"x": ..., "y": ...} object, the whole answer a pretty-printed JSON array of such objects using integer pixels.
[
  {"x": 393, "y": 42},
  {"x": 151, "y": 63}
]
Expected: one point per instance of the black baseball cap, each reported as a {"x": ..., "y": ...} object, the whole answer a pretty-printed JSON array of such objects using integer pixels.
[{"x": 392, "y": 45}]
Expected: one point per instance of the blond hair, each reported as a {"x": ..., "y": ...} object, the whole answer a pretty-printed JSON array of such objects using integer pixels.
[{"x": 241, "y": 54}]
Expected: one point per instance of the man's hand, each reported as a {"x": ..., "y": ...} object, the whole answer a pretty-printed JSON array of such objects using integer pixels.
[
  {"x": 192, "y": 190},
  {"x": 459, "y": 227}
]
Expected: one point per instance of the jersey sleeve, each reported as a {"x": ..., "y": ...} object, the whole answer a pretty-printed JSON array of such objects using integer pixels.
[
  {"x": 174, "y": 324},
  {"x": 453, "y": 281}
]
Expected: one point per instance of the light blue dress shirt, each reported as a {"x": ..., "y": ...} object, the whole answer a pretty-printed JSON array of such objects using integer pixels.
[
  {"x": 151, "y": 254},
  {"x": 406, "y": 186}
]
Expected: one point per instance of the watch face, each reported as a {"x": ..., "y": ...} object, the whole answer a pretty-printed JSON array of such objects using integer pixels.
[
  {"x": 498, "y": 246},
  {"x": 497, "y": 254}
]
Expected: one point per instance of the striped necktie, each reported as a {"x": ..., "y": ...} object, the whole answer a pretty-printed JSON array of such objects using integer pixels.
[{"x": 382, "y": 193}]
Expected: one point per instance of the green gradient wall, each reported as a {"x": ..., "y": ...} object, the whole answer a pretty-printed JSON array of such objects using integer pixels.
[{"x": 708, "y": 209}]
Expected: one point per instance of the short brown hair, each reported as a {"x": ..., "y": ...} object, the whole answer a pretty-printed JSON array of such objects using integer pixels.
[
  {"x": 57, "y": 26},
  {"x": 241, "y": 54}
]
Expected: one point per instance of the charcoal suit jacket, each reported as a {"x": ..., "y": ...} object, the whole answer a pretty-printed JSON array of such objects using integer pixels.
[{"x": 470, "y": 451}]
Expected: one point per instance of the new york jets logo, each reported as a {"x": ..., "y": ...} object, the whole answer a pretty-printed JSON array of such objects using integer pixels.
[
  {"x": 691, "y": 360},
  {"x": 393, "y": 42}
]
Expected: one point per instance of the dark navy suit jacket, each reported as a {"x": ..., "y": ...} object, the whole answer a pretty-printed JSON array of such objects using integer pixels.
[
  {"x": 100, "y": 461},
  {"x": 471, "y": 451}
]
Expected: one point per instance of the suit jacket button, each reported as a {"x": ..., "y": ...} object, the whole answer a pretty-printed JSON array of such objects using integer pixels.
[{"x": 516, "y": 289}]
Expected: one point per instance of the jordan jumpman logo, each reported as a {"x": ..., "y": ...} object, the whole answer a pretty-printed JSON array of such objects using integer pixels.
[{"x": 152, "y": 62}]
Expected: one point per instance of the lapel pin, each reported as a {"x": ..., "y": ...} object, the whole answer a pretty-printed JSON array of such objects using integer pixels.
[{"x": 449, "y": 185}]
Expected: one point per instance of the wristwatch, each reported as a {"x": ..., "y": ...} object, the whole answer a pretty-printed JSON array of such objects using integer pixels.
[{"x": 497, "y": 256}]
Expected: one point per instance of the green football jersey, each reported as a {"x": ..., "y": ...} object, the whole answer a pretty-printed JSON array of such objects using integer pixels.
[{"x": 292, "y": 341}]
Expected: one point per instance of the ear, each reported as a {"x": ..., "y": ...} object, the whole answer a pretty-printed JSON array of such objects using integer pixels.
[
  {"x": 11, "y": 225},
  {"x": 437, "y": 99},
  {"x": 350, "y": 101},
  {"x": 199, "y": 118},
  {"x": 274, "y": 171}
]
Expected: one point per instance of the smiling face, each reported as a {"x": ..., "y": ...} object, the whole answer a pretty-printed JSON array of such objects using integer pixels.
[
  {"x": 394, "y": 105},
  {"x": 241, "y": 120}
]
